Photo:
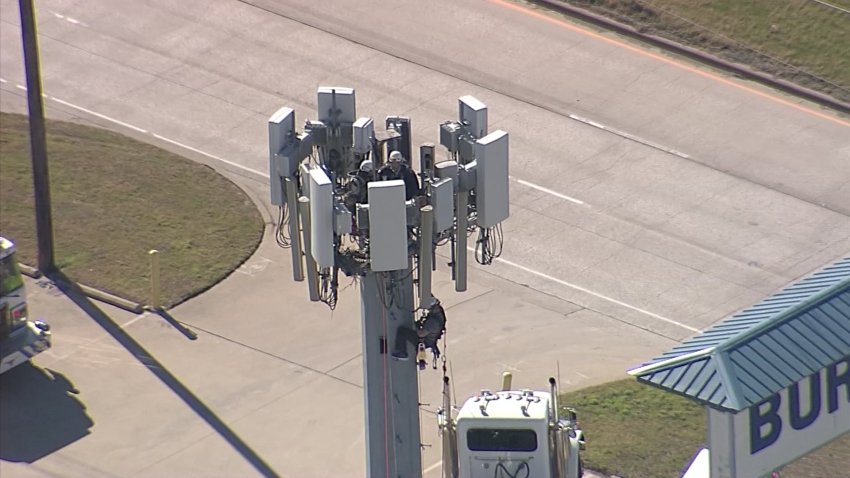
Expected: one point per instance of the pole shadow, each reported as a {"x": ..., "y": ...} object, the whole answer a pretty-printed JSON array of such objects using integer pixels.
[
  {"x": 38, "y": 413},
  {"x": 186, "y": 331},
  {"x": 73, "y": 292}
]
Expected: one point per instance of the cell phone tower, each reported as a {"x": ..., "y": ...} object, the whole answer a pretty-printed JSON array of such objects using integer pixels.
[{"x": 347, "y": 204}]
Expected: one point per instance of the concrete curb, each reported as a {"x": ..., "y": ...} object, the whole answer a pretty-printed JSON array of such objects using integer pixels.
[
  {"x": 30, "y": 271},
  {"x": 91, "y": 292},
  {"x": 108, "y": 298},
  {"x": 743, "y": 70}
]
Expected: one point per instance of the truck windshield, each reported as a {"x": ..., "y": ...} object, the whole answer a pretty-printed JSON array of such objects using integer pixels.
[
  {"x": 501, "y": 439},
  {"x": 10, "y": 276}
]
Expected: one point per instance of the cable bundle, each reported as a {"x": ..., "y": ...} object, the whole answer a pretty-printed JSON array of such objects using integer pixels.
[
  {"x": 489, "y": 244},
  {"x": 281, "y": 233}
]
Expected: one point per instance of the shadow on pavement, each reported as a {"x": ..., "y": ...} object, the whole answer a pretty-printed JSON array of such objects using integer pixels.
[
  {"x": 186, "y": 331},
  {"x": 73, "y": 292},
  {"x": 38, "y": 413}
]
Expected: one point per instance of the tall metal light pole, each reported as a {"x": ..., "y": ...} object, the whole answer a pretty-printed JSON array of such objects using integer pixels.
[
  {"x": 382, "y": 232},
  {"x": 38, "y": 141}
]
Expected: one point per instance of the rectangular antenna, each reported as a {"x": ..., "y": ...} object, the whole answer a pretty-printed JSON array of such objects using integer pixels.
[
  {"x": 447, "y": 169},
  {"x": 364, "y": 131},
  {"x": 342, "y": 219},
  {"x": 443, "y": 200},
  {"x": 387, "y": 225},
  {"x": 312, "y": 275},
  {"x": 281, "y": 129},
  {"x": 426, "y": 160},
  {"x": 321, "y": 218},
  {"x": 336, "y": 104},
  {"x": 473, "y": 112},
  {"x": 281, "y": 133},
  {"x": 491, "y": 182}
]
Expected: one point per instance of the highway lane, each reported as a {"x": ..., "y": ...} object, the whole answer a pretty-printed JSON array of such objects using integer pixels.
[{"x": 664, "y": 243}]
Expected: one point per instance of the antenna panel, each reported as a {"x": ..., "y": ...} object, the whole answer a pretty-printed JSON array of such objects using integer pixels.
[
  {"x": 491, "y": 180},
  {"x": 442, "y": 199},
  {"x": 387, "y": 225},
  {"x": 364, "y": 131},
  {"x": 475, "y": 113},
  {"x": 321, "y": 218},
  {"x": 344, "y": 103},
  {"x": 281, "y": 133}
]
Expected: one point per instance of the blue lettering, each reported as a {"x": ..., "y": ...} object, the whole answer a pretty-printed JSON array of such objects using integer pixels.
[
  {"x": 834, "y": 381},
  {"x": 799, "y": 422},
  {"x": 759, "y": 440}
]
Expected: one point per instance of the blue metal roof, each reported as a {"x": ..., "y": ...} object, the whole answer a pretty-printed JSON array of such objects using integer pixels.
[{"x": 762, "y": 349}]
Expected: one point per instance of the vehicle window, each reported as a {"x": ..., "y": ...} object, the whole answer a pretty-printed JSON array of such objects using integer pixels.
[
  {"x": 501, "y": 439},
  {"x": 10, "y": 276}
]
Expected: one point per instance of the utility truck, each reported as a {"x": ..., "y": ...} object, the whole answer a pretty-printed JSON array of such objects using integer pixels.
[
  {"x": 510, "y": 434},
  {"x": 20, "y": 338}
]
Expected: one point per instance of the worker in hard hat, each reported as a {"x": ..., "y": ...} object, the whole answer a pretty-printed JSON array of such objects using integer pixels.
[
  {"x": 358, "y": 187},
  {"x": 365, "y": 174},
  {"x": 397, "y": 169},
  {"x": 367, "y": 167},
  {"x": 426, "y": 333}
]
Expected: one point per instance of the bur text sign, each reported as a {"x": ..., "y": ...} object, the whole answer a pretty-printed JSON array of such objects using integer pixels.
[{"x": 794, "y": 421}]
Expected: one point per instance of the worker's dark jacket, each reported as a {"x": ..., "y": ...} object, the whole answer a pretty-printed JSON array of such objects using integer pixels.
[
  {"x": 411, "y": 182},
  {"x": 433, "y": 324},
  {"x": 428, "y": 330}
]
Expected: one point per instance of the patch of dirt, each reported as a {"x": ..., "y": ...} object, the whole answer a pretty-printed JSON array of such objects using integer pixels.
[{"x": 831, "y": 460}]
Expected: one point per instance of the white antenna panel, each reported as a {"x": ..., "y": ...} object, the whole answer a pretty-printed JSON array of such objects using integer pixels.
[
  {"x": 321, "y": 218},
  {"x": 344, "y": 103},
  {"x": 364, "y": 131},
  {"x": 342, "y": 219},
  {"x": 281, "y": 132},
  {"x": 447, "y": 169},
  {"x": 278, "y": 196},
  {"x": 281, "y": 129},
  {"x": 387, "y": 226},
  {"x": 276, "y": 165},
  {"x": 304, "y": 169},
  {"x": 491, "y": 182},
  {"x": 442, "y": 199},
  {"x": 475, "y": 113}
]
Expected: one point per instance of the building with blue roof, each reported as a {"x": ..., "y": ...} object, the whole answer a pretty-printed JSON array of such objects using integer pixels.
[{"x": 775, "y": 377}]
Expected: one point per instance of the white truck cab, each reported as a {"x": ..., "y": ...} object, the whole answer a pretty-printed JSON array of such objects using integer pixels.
[{"x": 511, "y": 433}]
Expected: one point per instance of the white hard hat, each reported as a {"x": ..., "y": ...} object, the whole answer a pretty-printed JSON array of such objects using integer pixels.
[
  {"x": 396, "y": 156},
  {"x": 366, "y": 166}
]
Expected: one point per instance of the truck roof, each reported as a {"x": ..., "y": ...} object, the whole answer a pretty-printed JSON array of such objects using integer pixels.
[
  {"x": 516, "y": 404},
  {"x": 7, "y": 247}
]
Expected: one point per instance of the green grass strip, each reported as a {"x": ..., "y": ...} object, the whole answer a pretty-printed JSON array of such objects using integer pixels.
[{"x": 114, "y": 199}]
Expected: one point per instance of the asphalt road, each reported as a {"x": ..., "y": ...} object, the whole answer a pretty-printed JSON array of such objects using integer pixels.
[{"x": 650, "y": 198}]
